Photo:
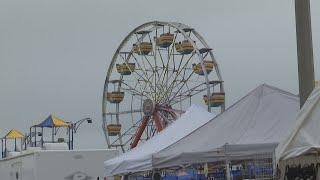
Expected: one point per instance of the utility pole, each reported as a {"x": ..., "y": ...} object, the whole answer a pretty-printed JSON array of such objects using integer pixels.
[{"x": 304, "y": 49}]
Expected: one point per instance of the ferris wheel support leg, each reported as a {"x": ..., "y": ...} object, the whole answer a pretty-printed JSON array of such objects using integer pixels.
[{"x": 138, "y": 135}]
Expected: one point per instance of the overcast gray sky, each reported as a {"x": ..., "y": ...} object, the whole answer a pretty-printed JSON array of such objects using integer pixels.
[{"x": 54, "y": 54}]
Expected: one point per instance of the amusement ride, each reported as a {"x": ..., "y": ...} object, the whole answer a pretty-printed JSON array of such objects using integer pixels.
[{"x": 157, "y": 72}]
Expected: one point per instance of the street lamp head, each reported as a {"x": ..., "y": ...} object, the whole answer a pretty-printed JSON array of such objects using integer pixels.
[{"x": 89, "y": 121}]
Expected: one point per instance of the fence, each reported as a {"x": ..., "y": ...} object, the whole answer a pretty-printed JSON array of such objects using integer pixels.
[{"x": 238, "y": 164}]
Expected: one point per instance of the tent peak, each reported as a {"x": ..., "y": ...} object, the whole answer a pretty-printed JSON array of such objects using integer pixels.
[
  {"x": 53, "y": 121},
  {"x": 14, "y": 134},
  {"x": 265, "y": 88}
]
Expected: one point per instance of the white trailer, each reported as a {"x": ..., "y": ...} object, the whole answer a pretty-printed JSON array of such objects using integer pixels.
[{"x": 56, "y": 165}]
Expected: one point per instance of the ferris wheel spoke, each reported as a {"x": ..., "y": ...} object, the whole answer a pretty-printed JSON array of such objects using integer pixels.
[
  {"x": 173, "y": 46},
  {"x": 170, "y": 53},
  {"x": 127, "y": 131},
  {"x": 186, "y": 94},
  {"x": 154, "y": 71},
  {"x": 151, "y": 87},
  {"x": 134, "y": 72},
  {"x": 143, "y": 69},
  {"x": 161, "y": 58},
  {"x": 172, "y": 85},
  {"x": 125, "y": 112},
  {"x": 184, "y": 66},
  {"x": 180, "y": 71},
  {"x": 145, "y": 74},
  {"x": 183, "y": 83},
  {"x": 184, "y": 97},
  {"x": 146, "y": 84},
  {"x": 145, "y": 57},
  {"x": 133, "y": 90}
]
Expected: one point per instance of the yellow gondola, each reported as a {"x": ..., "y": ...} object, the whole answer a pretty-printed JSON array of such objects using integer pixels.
[
  {"x": 184, "y": 47},
  {"x": 114, "y": 129},
  {"x": 216, "y": 99},
  {"x": 115, "y": 96},
  {"x": 208, "y": 65},
  {"x": 143, "y": 48},
  {"x": 165, "y": 40},
  {"x": 125, "y": 69}
]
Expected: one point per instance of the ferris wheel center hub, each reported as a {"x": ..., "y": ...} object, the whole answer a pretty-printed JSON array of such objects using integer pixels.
[{"x": 148, "y": 107}]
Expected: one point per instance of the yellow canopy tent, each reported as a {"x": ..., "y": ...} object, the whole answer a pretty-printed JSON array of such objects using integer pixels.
[{"x": 12, "y": 134}]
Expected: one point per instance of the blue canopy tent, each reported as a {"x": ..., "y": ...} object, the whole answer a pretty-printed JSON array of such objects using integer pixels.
[{"x": 52, "y": 122}]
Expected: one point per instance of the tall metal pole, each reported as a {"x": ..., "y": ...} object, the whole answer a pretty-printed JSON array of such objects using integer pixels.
[
  {"x": 52, "y": 134},
  {"x": 15, "y": 144},
  {"x": 35, "y": 136},
  {"x": 72, "y": 136},
  {"x": 1, "y": 148},
  {"x": 41, "y": 137},
  {"x": 304, "y": 49},
  {"x": 30, "y": 138}
]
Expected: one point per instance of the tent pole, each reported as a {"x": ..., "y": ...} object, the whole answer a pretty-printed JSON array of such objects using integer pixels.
[
  {"x": 25, "y": 142},
  {"x": 72, "y": 137},
  {"x": 227, "y": 163},
  {"x": 52, "y": 134},
  {"x": 69, "y": 135},
  {"x": 2, "y": 148},
  {"x": 41, "y": 137},
  {"x": 21, "y": 144},
  {"x": 5, "y": 147},
  {"x": 35, "y": 136},
  {"x": 15, "y": 144},
  {"x": 30, "y": 138},
  {"x": 304, "y": 49}
]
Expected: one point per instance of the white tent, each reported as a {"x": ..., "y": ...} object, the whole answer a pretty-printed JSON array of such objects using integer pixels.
[
  {"x": 139, "y": 158},
  {"x": 305, "y": 137},
  {"x": 264, "y": 116}
]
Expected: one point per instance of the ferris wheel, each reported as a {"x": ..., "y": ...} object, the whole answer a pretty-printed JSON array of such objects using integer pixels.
[{"x": 158, "y": 71}]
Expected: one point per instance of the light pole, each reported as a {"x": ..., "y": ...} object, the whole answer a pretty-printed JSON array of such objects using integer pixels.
[
  {"x": 74, "y": 126},
  {"x": 304, "y": 49}
]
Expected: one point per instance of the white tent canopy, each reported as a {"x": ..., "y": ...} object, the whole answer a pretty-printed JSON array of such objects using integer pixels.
[
  {"x": 304, "y": 138},
  {"x": 264, "y": 116},
  {"x": 139, "y": 158}
]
